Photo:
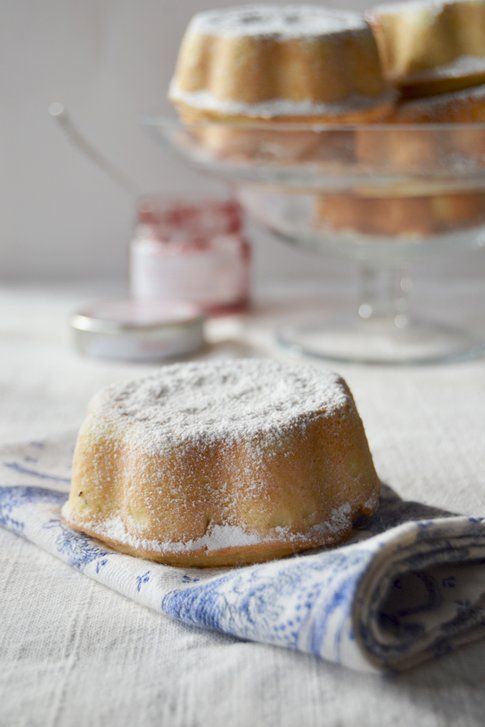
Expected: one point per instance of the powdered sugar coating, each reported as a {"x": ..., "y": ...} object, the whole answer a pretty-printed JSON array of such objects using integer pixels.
[
  {"x": 288, "y": 21},
  {"x": 218, "y": 401},
  {"x": 221, "y": 537},
  {"x": 279, "y": 107}
]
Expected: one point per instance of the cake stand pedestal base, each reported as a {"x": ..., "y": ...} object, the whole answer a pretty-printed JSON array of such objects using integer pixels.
[{"x": 381, "y": 341}]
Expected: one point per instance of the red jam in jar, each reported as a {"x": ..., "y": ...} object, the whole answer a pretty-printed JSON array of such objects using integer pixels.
[{"x": 194, "y": 252}]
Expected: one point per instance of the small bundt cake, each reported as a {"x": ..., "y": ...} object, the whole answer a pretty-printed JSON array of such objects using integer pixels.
[
  {"x": 431, "y": 46},
  {"x": 279, "y": 63},
  {"x": 400, "y": 217},
  {"x": 222, "y": 463}
]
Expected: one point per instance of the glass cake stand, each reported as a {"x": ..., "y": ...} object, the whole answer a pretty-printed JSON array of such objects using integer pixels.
[{"x": 381, "y": 195}]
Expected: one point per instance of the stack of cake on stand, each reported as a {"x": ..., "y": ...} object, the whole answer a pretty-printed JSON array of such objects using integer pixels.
[{"x": 363, "y": 135}]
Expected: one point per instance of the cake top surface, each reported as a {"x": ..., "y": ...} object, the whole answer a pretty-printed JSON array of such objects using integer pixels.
[
  {"x": 286, "y": 21},
  {"x": 219, "y": 400}
]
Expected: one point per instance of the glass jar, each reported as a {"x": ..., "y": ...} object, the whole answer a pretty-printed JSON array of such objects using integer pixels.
[{"x": 190, "y": 251}]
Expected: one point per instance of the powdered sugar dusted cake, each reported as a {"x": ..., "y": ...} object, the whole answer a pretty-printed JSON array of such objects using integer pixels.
[
  {"x": 222, "y": 463},
  {"x": 279, "y": 63},
  {"x": 431, "y": 46}
]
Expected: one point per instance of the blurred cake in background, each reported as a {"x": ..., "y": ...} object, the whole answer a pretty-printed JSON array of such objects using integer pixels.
[
  {"x": 431, "y": 46},
  {"x": 279, "y": 63},
  {"x": 242, "y": 70},
  {"x": 434, "y": 51},
  {"x": 464, "y": 106},
  {"x": 413, "y": 153},
  {"x": 400, "y": 216}
]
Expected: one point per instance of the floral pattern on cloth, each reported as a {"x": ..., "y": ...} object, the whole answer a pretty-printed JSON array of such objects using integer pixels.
[{"x": 409, "y": 586}]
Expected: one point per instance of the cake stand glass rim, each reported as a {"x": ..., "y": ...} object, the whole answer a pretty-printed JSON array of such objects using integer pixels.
[{"x": 257, "y": 124}]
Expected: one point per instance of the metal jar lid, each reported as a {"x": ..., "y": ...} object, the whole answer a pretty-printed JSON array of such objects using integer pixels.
[{"x": 140, "y": 331}]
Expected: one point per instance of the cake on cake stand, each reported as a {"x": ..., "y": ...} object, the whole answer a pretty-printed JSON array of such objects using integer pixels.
[{"x": 380, "y": 195}]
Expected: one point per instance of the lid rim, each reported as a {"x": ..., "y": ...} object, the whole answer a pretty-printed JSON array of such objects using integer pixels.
[{"x": 92, "y": 324}]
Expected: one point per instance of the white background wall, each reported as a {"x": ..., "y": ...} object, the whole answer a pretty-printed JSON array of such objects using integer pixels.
[{"x": 108, "y": 61}]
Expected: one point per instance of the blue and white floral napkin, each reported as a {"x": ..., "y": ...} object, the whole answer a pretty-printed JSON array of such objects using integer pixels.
[{"x": 410, "y": 586}]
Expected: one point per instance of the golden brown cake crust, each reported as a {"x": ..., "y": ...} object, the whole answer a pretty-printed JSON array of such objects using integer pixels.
[{"x": 222, "y": 463}]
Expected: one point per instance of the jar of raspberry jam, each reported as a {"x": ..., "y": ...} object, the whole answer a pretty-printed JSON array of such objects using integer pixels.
[{"x": 191, "y": 251}]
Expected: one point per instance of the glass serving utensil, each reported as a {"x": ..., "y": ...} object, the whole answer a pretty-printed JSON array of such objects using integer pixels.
[{"x": 381, "y": 195}]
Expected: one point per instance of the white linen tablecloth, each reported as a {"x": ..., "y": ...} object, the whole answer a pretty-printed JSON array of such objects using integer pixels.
[{"x": 75, "y": 653}]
